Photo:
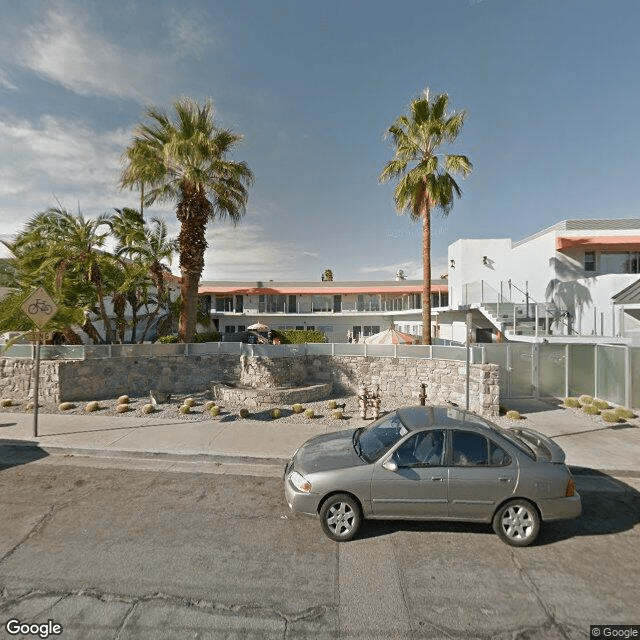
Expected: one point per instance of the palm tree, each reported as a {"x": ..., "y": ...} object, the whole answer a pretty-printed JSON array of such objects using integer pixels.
[
  {"x": 185, "y": 159},
  {"x": 428, "y": 184}
]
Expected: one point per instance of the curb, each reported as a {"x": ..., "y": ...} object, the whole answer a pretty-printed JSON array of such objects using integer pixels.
[{"x": 213, "y": 458}]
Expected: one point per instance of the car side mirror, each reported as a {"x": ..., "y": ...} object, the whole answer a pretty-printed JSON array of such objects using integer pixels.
[{"x": 389, "y": 465}]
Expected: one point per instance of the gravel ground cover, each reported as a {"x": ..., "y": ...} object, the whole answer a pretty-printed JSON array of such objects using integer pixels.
[{"x": 323, "y": 412}]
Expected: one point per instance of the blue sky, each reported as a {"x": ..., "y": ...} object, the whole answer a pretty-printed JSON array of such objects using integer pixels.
[{"x": 550, "y": 87}]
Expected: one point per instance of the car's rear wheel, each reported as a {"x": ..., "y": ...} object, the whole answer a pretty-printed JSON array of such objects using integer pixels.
[
  {"x": 340, "y": 517},
  {"x": 517, "y": 523}
]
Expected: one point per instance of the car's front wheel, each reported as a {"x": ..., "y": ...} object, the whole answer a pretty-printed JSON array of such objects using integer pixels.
[
  {"x": 340, "y": 517},
  {"x": 517, "y": 523}
]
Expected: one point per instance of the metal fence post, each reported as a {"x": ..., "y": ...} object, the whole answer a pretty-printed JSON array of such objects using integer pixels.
[{"x": 627, "y": 377}]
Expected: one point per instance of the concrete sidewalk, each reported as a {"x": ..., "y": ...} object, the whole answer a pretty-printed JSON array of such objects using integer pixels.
[{"x": 586, "y": 441}]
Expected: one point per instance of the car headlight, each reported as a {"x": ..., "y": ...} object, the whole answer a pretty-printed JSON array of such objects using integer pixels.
[{"x": 299, "y": 482}]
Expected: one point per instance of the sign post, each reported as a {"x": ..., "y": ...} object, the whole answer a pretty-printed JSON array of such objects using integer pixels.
[{"x": 40, "y": 307}]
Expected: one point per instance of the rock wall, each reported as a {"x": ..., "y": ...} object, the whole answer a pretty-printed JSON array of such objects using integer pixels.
[{"x": 398, "y": 378}]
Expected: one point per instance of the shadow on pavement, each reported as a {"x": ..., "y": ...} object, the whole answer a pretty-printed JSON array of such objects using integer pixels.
[
  {"x": 14, "y": 453},
  {"x": 609, "y": 506}
]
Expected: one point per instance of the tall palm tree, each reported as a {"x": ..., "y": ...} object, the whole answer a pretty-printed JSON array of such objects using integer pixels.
[
  {"x": 186, "y": 159},
  {"x": 425, "y": 180}
]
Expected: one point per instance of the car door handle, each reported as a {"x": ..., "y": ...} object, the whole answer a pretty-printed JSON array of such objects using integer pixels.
[
  {"x": 437, "y": 479},
  {"x": 504, "y": 479}
]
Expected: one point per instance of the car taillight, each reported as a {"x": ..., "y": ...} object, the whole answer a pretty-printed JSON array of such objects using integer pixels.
[{"x": 571, "y": 488}]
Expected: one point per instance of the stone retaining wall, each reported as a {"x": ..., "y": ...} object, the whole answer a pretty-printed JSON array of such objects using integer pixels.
[{"x": 398, "y": 378}]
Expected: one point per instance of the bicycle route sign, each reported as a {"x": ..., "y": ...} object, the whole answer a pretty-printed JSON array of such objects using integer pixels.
[{"x": 40, "y": 307}]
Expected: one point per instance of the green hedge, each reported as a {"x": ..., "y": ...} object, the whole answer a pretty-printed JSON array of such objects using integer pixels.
[
  {"x": 297, "y": 336},
  {"x": 214, "y": 336}
]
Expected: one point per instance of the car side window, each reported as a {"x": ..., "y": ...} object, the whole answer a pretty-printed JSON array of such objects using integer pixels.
[
  {"x": 424, "y": 449},
  {"x": 498, "y": 457},
  {"x": 469, "y": 449}
]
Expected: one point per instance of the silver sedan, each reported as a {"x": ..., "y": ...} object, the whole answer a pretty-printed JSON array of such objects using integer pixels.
[{"x": 432, "y": 463}]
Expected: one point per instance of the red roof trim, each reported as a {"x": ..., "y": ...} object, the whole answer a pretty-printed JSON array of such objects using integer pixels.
[
  {"x": 598, "y": 242},
  {"x": 435, "y": 288}
]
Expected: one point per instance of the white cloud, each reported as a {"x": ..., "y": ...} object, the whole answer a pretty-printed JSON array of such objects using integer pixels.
[
  {"x": 64, "y": 49},
  {"x": 57, "y": 158},
  {"x": 189, "y": 36},
  {"x": 5, "y": 83}
]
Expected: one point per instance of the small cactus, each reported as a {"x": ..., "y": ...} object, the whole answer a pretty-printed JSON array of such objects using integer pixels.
[
  {"x": 601, "y": 404},
  {"x": 189, "y": 402},
  {"x": 574, "y": 403},
  {"x": 332, "y": 404},
  {"x": 621, "y": 412},
  {"x": 92, "y": 406},
  {"x": 244, "y": 412},
  {"x": 513, "y": 415},
  {"x": 148, "y": 408},
  {"x": 610, "y": 416},
  {"x": 184, "y": 408},
  {"x": 591, "y": 410},
  {"x": 209, "y": 404},
  {"x": 337, "y": 415},
  {"x": 584, "y": 399},
  {"x": 123, "y": 400},
  {"x": 275, "y": 414},
  {"x": 297, "y": 408},
  {"x": 6, "y": 402},
  {"x": 65, "y": 406},
  {"x": 309, "y": 413},
  {"x": 122, "y": 408},
  {"x": 214, "y": 411}
]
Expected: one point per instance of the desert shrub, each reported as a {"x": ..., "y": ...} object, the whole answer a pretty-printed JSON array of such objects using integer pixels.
[
  {"x": 309, "y": 413},
  {"x": 213, "y": 336},
  {"x": 591, "y": 409},
  {"x": 189, "y": 402},
  {"x": 6, "y": 402},
  {"x": 601, "y": 404},
  {"x": 148, "y": 408},
  {"x": 621, "y": 412},
  {"x": 209, "y": 404},
  {"x": 513, "y": 415},
  {"x": 585, "y": 399},
  {"x": 297, "y": 408},
  {"x": 610, "y": 416},
  {"x": 298, "y": 336},
  {"x": 275, "y": 414},
  {"x": 337, "y": 415},
  {"x": 244, "y": 412},
  {"x": 65, "y": 406},
  {"x": 184, "y": 408},
  {"x": 214, "y": 411},
  {"x": 332, "y": 404},
  {"x": 168, "y": 339},
  {"x": 92, "y": 406},
  {"x": 574, "y": 403},
  {"x": 122, "y": 408},
  {"x": 123, "y": 400}
]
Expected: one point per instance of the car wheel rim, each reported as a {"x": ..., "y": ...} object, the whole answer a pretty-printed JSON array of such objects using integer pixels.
[
  {"x": 518, "y": 523},
  {"x": 340, "y": 518}
]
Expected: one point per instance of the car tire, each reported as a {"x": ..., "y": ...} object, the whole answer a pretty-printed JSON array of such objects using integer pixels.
[
  {"x": 340, "y": 517},
  {"x": 517, "y": 523}
]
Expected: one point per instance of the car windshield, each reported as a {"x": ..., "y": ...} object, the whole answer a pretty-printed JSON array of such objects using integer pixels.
[{"x": 379, "y": 437}]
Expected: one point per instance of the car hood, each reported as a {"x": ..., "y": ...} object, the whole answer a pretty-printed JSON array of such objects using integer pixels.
[
  {"x": 544, "y": 448},
  {"x": 327, "y": 452}
]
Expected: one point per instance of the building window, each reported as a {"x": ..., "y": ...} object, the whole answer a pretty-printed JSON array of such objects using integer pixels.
[
  {"x": 590, "y": 261},
  {"x": 370, "y": 330},
  {"x": 321, "y": 303},
  {"x": 224, "y": 303},
  {"x": 229, "y": 329},
  {"x": 619, "y": 262},
  {"x": 239, "y": 304},
  {"x": 368, "y": 302}
]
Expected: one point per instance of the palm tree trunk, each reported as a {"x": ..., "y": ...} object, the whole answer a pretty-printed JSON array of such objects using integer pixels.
[
  {"x": 189, "y": 307},
  {"x": 426, "y": 274},
  {"x": 71, "y": 336}
]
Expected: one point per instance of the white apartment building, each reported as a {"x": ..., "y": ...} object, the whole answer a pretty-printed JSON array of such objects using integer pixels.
[
  {"x": 341, "y": 310},
  {"x": 575, "y": 278}
]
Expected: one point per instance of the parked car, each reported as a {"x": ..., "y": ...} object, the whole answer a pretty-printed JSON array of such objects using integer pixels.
[{"x": 432, "y": 463}]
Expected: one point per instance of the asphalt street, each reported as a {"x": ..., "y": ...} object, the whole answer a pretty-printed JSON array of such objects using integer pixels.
[{"x": 123, "y": 552}]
